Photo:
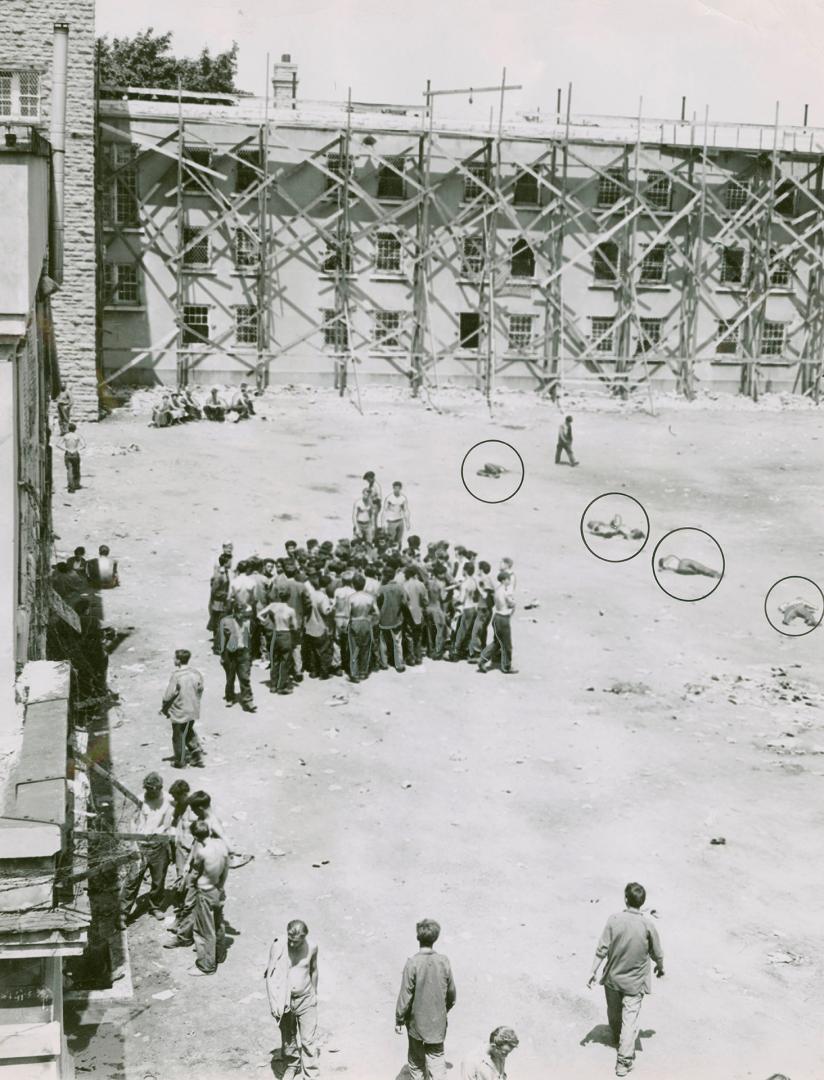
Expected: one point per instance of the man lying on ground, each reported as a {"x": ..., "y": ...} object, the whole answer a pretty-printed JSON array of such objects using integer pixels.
[{"x": 686, "y": 566}]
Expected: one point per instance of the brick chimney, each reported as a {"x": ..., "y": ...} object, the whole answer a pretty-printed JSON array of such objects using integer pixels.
[{"x": 285, "y": 82}]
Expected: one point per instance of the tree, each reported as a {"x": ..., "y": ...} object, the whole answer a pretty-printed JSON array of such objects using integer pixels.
[{"x": 147, "y": 60}]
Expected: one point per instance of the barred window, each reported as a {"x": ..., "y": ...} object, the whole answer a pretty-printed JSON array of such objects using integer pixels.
[
  {"x": 195, "y": 324},
  {"x": 120, "y": 283},
  {"x": 737, "y": 194},
  {"x": 193, "y": 178},
  {"x": 649, "y": 335},
  {"x": 387, "y": 329},
  {"x": 785, "y": 198},
  {"x": 732, "y": 266},
  {"x": 198, "y": 253},
  {"x": 337, "y": 257},
  {"x": 339, "y": 165},
  {"x": 335, "y": 335},
  {"x": 469, "y": 329},
  {"x": 654, "y": 265},
  {"x": 247, "y": 172},
  {"x": 473, "y": 257},
  {"x": 120, "y": 176},
  {"x": 20, "y": 95},
  {"x": 388, "y": 253},
  {"x": 522, "y": 260},
  {"x": 478, "y": 176},
  {"x": 526, "y": 191},
  {"x": 658, "y": 192},
  {"x": 520, "y": 332},
  {"x": 606, "y": 262},
  {"x": 246, "y": 324},
  {"x": 390, "y": 184},
  {"x": 603, "y": 332},
  {"x": 247, "y": 250},
  {"x": 781, "y": 272},
  {"x": 772, "y": 338},
  {"x": 727, "y": 336},
  {"x": 609, "y": 187}
]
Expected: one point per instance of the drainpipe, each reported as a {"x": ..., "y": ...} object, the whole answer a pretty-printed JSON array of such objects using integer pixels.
[{"x": 57, "y": 136}]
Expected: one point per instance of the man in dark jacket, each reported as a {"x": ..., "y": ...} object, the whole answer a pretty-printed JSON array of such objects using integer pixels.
[{"x": 235, "y": 637}]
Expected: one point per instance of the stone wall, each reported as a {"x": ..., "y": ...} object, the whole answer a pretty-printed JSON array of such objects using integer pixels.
[{"x": 26, "y": 34}]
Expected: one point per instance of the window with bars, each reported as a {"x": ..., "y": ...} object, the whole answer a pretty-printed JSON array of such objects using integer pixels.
[
  {"x": 520, "y": 332},
  {"x": 121, "y": 284},
  {"x": 781, "y": 272},
  {"x": 388, "y": 253},
  {"x": 650, "y": 332},
  {"x": 609, "y": 187},
  {"x": 120, "y": 201},
  {"x": 737, "y": 194},
  {"x": 732, "y": 265},
  {"x": 603, "y": 333},
  {"x": 387, "y": 329},
  {"x": 473, "y": 256},
  {"x": 606, "y": 262},
  {"x": 19, "y": 95},
  {"x": 526, "y": 191},
  {"x": 338, "y": 257},
  {"x": 247, "y": 250},
  {"x": 247, "y": 169},
  {"x": 727, "y": 336},
  {"x": 522, "y": 260},
  {"x": 785, "y": 193},
  {"x": 193, "y": 179},
  {"x": 391, "y": 185},
  {"x": 339, "y": 165},
  {"x": 198, "y": 253},
  {"x": 195, "y": 324},
  {"x": 246, "y": 324},
  {"x": 335, "y": 335},
  {"x": 469, "y": 329},
  {"x": 473, "y": 183},
  {"x": 773, "y": 336},
  {"x": 654, "y": 265},
  {"x": 658, "y": 191}
]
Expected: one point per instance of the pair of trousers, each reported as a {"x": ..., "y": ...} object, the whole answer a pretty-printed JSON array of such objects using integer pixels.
[
  {"x": 391, "y": 635},
  {"x": 342, "y": 639},
  {"x": 564, "y": 448},
  {"x": 624, "y": 1014},
  {"x": 483, "y": 617},
  {"x": 394, "y": 532},
  {"x": 317, "y": 654},
  {"x": 360, "y": 647},
  {"x": 154, "y": 857},
  {"x": 208, "y": 929},
  {"x": 185, "y": 743},
  {"x": 413, "y": 640},
  {"x": 426, "y": 1061},
  {"x": 299, "y": 1038},
  {"x": 280, "y": 660},
  {"x": 435, "y": 631},
  {"x": 500, "y": 648},
  {"x": 238, "y": 665},
  {"x": 72, "y": 460},
  {"x": 464, "y": 635},
  {"x": 297, "y": 651}
]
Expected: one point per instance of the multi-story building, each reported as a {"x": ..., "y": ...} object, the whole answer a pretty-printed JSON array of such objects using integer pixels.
[{"x": 292, "y": 241}]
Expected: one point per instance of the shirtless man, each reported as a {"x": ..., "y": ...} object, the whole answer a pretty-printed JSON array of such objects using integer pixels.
[
  {"x": 615, "y": 527},
  {"x": 799, "y": 609},
  {"x": 292, "y": 986},
  {"x": 208, "y": 867},
  {"x": 363, "y": 518},
  {"x": 396, "y": 514},
  {"x": 362, "y": 608},
  {"x": 71, "y": 444},
  {"x": 686, "y": 566}
]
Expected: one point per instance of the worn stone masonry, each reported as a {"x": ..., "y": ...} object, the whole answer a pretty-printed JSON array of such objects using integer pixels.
[{"x": 26, "y": 34}]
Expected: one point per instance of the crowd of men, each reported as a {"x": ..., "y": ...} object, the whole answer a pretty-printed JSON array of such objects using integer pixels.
[{"x": 181, "y": 405}]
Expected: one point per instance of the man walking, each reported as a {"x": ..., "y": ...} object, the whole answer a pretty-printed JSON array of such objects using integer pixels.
[
  {"x": 564, "y": 443},
  {"x": 235, "y": 636},
  {"x": 489, "y": 1063},
  {"x": 426, "y": 995},
  {"x": 292, "y": 987},
  {"x": 71, "y": 444},
  {"x": 152, "y": 820},
  {"x": 279, "y": 618},
  {"x": 500, "y": 648},
  {"x": 629, "y": 939},
  {"x": 181, "y": 704}
]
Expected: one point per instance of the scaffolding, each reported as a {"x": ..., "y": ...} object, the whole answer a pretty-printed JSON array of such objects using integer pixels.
[{"x": 732, "y": 229}]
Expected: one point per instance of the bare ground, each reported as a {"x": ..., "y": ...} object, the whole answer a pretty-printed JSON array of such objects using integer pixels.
[{"x": 513, "y": 810}]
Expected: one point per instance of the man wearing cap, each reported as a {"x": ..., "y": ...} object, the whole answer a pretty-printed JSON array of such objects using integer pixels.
[
  {"x": 181, "y": 704},
  {"x": 564, "y": 443},
  {"x": 153, "y": 819},
  {"x": 489, "y": 1063}
]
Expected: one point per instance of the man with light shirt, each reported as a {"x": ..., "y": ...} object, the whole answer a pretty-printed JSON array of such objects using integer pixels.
[{"x": 489, "y": 1063}]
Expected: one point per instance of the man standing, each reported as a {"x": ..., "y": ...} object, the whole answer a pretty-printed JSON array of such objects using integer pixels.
[
  {"x": 392, "y": 603},
  {"x": 153, "y": 819},
  {"x": 362, "y": 609},
  {"x": 416, "y": 600},
  {"x": 564, "y": 443},
  {"x": 279, "y": 618},
  {"x": 64, "y": 404},
  {"x": 182, "y": 818},
  {"x": 219, "y": 597},
  {"x": 500, "y": 648},
  {"x": 363, "y": 518},
  {"x": 468, "y": 603},
  {"x": 483, "y": 612},
  {"x": 181, "y": 704},
  {"x": 427, "y": 994},
  {"x": 375, "y": 497},
  {"x": 71, "y": 444},
  {"x": 292, "y": 987},
  {"x": 235, "y": 636},
  {"x": 208, "y": 867},
  {"x": 317, "y": 638},
  {"x": 489, "y": 1063},
  {"x": 629, "y": 940},
  {"x": 396, "y": 516}
]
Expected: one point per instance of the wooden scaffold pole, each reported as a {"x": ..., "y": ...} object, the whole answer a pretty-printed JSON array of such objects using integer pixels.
[{"x": 264, "y": 299}]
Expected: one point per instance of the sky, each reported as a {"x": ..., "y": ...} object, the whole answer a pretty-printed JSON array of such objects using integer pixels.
[{"x": 736, "y": 56}]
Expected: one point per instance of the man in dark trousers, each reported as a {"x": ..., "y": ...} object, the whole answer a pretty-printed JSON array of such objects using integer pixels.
[
  {"x": 71, "y": 444},
  {"x": 235, "y": 636},
  {"x": 181, "y": 704},
  {"x": 629, "y": 939},
  {"x": 392, "y": 603},
  {"x": 564, "y": 443},
  {"x": 427, "y": 994}
]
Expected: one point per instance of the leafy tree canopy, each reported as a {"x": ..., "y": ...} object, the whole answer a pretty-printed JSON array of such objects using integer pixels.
[{"x": 147, "y": 60}]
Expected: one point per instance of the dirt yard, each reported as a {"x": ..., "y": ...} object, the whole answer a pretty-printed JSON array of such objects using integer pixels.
[{"x": 513, "y": 810}]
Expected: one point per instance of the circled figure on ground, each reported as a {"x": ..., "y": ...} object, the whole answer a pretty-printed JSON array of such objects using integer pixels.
[
  {"x": 794, "y": 606},
  {"x": 614, "y": 527},
  {"x": 688, "y": 564},
  {"x": 492, "y": 471}
]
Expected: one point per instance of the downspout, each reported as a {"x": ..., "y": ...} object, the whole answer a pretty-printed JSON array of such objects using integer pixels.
[{"x": 57, "y": 136}]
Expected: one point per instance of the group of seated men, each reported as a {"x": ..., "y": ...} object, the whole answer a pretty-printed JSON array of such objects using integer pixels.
[
  {"x": 355, "y": 607},
  {"x": 181, "y": 405}
]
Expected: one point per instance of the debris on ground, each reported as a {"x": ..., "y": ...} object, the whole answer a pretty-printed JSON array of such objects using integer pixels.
[
  {"x": 337, "y": 699},
  {"x": 784, "y": 956},
  {"x": 718, "y": 840},
  {"x": 532, "y": 605},
  {"x": 628, "y": 688},
  {"x": 163, "y": 995},
  {"x": 492, "y": 470}
]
